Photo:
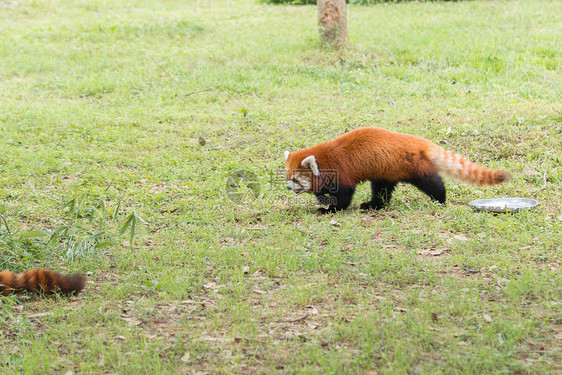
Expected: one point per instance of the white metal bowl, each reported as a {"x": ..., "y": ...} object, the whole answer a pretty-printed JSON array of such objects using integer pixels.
[{"x": 502, "y": 205}]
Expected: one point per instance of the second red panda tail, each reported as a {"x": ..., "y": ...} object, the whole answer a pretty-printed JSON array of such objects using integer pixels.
[{"x": 40, "y": 280}]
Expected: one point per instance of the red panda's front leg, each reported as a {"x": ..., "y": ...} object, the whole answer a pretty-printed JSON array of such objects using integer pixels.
[{"x": 336, "y": 201}]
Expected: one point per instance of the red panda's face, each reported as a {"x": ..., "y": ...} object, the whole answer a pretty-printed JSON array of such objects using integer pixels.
[
  {"x": 299, "y": 180},
  {"x": 301, "y": 173}
]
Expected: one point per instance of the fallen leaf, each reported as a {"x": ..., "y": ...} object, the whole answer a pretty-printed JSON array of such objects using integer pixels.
[
  {"x": 531, "y": 172},
  {"x": 487, "y": 318},
  {"x": 367, "y": 221},
  {"x": 433, "y": 252},
  {"x": 312, "y": 310},
  {"x": 160, "y": 188},
  {"x": 500, "y": 338},
  {"x": 131, "y": 320},
  {"x": 228, "y": 240},
  {"x": 185, "y": 357},
  {"x": 259, "y": 291},
  {"x": 434, "y": 317},
  {"x": 211, "y": 285},
  {"x": 39, "y": 315},
  {"x": 537, "y": 344},
  {"x": 460, "y": 237},
  {"x": 472, "y": 270},
  {"x": 502, "y": 281},
  {"x": 215, "y": 339},
  {"x": 335, "y": 223},
  {"x": 259, "y": 274},
  {"x": 257, "y": 227},
  {"x": 246, "y": 270},
  {"x": 293, "y": 320},
  {"x": 312, "y": 325}
]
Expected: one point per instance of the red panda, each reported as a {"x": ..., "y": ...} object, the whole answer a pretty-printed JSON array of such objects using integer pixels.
[
  {"x": 332, "y": 170},
  {"x": 40, "y": 280}
]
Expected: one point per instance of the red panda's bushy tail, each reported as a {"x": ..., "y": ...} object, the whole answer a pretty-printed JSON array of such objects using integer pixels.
[
  {"x": 459, "y": 168},
  {"x": 40, "y": 280}
]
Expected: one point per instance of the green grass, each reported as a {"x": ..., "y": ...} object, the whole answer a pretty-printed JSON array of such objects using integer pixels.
[{"x": 100, "y": 102}]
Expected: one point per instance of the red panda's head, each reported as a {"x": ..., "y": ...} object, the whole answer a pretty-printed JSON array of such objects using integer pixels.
[{"x": 302, "y": 172}]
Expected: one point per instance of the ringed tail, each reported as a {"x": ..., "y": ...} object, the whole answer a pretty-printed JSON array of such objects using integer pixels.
[
  {"x": 40, "y": 280},
  {"x": 462, "y": 169}
]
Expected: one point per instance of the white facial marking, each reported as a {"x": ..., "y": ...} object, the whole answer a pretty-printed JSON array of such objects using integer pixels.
[
  {"x": 287, "y": 153},
  {"x": 298, "y": 184},
  {"x": 310, "y": 163},
  {"x": 291, "y": 185}
]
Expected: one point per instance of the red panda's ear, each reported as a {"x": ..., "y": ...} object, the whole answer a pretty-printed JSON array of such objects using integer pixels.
[
  {"x": 310, "y": 163},
  {"x": 287, "y": 153}
]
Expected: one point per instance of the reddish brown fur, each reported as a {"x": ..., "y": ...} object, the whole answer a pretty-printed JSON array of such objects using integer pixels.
[
  {"x": 40, "y": 280},
  {"x": 374, "y": 153}
]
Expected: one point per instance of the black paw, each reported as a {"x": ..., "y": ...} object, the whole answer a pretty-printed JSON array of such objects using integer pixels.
[
  {"x": 329, "y": 210},
  {"x": 370, "y": 206}
]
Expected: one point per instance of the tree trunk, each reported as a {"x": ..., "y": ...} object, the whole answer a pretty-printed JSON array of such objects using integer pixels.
[{"x": 332, "y": 22}]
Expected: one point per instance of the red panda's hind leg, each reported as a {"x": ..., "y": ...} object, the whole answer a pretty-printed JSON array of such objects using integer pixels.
[
  {"x": 432, "y": 185},
  {"x": 336, "y": 201},
  {"x": 382, "y": 192}
]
